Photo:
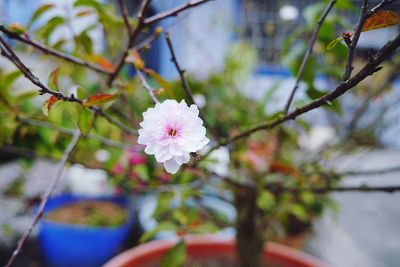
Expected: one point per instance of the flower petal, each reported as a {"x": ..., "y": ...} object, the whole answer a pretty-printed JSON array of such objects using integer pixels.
[{"x": 171, "y": 166}]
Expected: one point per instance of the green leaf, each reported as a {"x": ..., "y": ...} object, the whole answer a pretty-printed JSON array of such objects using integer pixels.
[
  {"x": 80, "y": 93},
  {"x": 163, "y": 202},
  {"x": 181, "y": 217},
  {"x": 314, "y": 93},
  {"x": 162, "y": 226},
  {"x": 142, "y": 171},
  {"x": 91, "y": 3},
  {"x": 265, "y": 200},
  {"x": 275, "y": 116},
  {"x": 344, "y": 5},
  {"x": 333, "y": 44},
  {"x": 85, "y": 42},
  {"x": 17, "y": 28},
  {"x": 298, "y": 211},
  {"x": 86, "y": 121},
  {"x": 312, "y": 13},
  {"x": 45, "y": 31},
  {"x": 42, "y": 9},
  {"x": 59, "y": 44},
  {"x": 307, "y": 197},
  {"x": 331, "y": 70},
  {"x": 99, "y": 99},
  {"x": 52, "y": 81},
  {"x": 25, "y": 96},
  {"x": 293, "y": 60},
  {"x": 9, "y": 79},
  {"x": 205, "y": 228},
  {"x": 175, "y": 257}
]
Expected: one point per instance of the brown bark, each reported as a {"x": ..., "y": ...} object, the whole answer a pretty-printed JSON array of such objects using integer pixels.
[{"x": 249, "y": 239}]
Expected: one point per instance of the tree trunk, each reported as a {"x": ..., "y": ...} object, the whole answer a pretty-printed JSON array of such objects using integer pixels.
[{"x": 249, "y": 241}]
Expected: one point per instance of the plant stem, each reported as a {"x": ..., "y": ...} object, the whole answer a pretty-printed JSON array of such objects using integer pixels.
[
  {"x": 45, "y": 198},
  {"x": 249, "y": 242},
  {"x": 55, "y": 53},
  {"x": 370, "y": 68},
  {"x": 308, "y": 54}
]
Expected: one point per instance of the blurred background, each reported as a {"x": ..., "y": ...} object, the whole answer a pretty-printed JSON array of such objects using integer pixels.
[{"x": 248, "y": 48}]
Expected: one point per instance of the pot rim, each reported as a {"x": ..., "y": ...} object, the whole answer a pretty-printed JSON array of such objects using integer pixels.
[{"x": 208, "y": 242}]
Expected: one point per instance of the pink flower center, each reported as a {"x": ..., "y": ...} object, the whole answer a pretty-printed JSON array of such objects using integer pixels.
[{"x": 172, "y": 132}]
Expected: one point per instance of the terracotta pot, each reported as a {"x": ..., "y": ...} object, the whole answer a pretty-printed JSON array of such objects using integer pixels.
[
  {"x": 208, "y": 246},
  {"x": 294, "y": 241}
]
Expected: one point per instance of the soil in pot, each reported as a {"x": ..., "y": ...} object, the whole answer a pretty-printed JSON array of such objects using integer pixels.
[{"x": 89, "y": 212}]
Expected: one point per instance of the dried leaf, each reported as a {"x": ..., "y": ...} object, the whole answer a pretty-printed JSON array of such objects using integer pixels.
[
  {"x": 284, "y": 169},
  {"x": 102, "y": 61},
  {"x": 83, "y": 13},
  {"x": 52, "y": 81},
  {"x": 17, "y": 28},
  {"x": 134, "y": 58},
  {"x": 161, "y": 81},
  {"x": 381, "y": 19}
]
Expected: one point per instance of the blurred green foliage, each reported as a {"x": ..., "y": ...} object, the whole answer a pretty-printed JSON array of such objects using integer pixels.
[{"x": 267, "y": 158}]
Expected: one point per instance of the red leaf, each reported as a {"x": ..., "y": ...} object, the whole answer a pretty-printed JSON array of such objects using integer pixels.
[
  {"x": 99, "y": 99},
  {"x": 284, "y": 169},
  {"x": 53, "y": 79},
  {"x": 52, "y": 101},
  {"x": 49, "y": 104},
  {"x": 381, "y": 19}
]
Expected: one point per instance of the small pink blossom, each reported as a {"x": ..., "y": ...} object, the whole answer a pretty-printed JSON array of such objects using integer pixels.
[
  {"x": 118, "y": 169},
  {"x": 135, "y": 158},
  {"x": 171, "y": 131}
]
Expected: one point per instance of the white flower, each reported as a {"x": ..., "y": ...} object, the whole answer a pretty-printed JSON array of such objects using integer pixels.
[{"x": 171, "y": 131}]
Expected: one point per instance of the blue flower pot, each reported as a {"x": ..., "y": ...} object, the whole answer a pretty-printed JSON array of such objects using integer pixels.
[{"x": 67, "y": 245}]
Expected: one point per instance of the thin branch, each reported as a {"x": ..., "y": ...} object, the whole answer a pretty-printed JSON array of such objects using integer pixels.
[
  {"x": 132, "y": 38},
  {"x": 360, "y": 111},
  {"x": 147, "y": 86},
  {"x": 125, "y": 16},
  {"x": 50, "y": 51},
  {"x": 181, "y": 72},
  {"x": 381, "y": 5},
  {"x": 148, "y": 41},
  {"x": 7, "y": 52},
  {"x": 322, "y": 190},
  {"x": 308, "y": 53},
  {"x": 115, "y": 122},
  {"x": 371, "y": 172},
  {"x": 45, "y": 198},
  {"x": 279, "y": 188},
  {"x": 363, "y": 17},
  {"x": 100, "y": 139},
  {"x": 142, "y": 22},
  {"x": 184, "y": 82},
  {"x": 30, "y": 153},
  {"x": 173, "y": 12},
  {"x": 370, "y": 68}
]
